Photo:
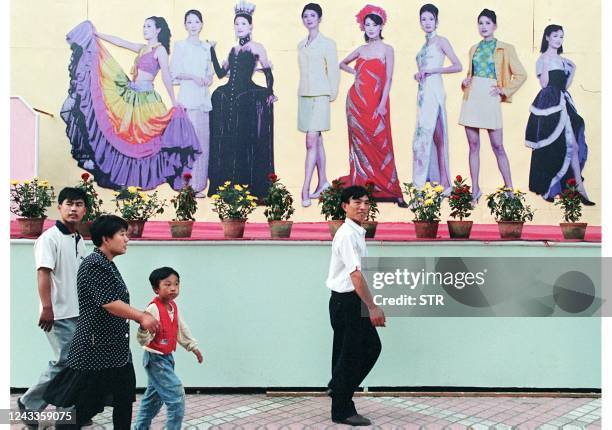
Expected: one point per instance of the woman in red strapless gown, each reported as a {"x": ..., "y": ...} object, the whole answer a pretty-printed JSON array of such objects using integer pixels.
[{"x": 371, "y": 156}]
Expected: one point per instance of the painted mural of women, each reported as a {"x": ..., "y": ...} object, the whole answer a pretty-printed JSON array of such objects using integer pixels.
[
  {"x": 430, "y": 143},
  {"x": 319, "y": 80},
  {"x": 555, "y": 130},
  {"x": 242, "y": 127},
  {"x": 191, "y": 68},
  {"x": 119, "y": 128},
  {"x": 368, "y": 116},
  {"x": 494, "y": 75}
]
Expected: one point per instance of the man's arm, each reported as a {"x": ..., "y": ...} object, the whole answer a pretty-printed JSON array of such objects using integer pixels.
[
  {"x": 45, "y": 321},
  {"x": 377, "y": 316}
]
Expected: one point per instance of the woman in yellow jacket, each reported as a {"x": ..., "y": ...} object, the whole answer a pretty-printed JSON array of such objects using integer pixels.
[{"x": 494, "y": 75}]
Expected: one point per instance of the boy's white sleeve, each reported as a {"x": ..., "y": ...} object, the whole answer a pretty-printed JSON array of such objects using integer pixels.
[
  {"x": 184, "y": 337},
  {"x": 143, "y": 336}
]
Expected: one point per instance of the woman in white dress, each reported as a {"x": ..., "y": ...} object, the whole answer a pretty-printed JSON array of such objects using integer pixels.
[
  {"x": 430, "y": 142},
  {"x": 191, "y": 67}
]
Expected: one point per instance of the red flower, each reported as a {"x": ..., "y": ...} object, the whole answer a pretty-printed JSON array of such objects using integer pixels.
[
  {"x": 571, "y": 182},
  {"x": 187, "y": 176},
  {"x": 458, "y": 178},
  {"x": 336, "y": 183},
  {"x": 272, "y": 177},
  {"x": 85, "y": 176}
]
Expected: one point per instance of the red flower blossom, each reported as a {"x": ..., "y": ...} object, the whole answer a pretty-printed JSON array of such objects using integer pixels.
[
  {"x": 571, "y": 182},
  {"x": 336, "y": 183},
  {"x": 272, "y": 177},
  {"x": 187, "y": 176},
  {"x": 459, "y": 178},
  {"x": 85, "y": 176}
]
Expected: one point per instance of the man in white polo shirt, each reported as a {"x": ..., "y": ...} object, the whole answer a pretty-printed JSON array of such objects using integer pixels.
[
  {"x": 356, "y": 343},
  {"x": 58, "y": 253}
]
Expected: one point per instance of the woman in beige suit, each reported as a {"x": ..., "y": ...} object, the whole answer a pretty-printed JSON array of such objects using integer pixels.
[{"x": 319, "y": 79}]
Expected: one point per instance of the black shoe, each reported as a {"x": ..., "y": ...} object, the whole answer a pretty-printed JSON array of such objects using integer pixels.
[
  {"x": 586, "y": 201},
  {"x": 329, "y": 392},
  {"x": 30, "y": 424},
  {"x": 355, "y": 420}
]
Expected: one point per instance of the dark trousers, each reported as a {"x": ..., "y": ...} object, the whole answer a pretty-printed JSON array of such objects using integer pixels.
[{"x": 356, "y": 349}]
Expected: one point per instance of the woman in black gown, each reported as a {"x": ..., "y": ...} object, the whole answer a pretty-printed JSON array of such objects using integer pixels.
[
  {"x": 242, "y": 126},
  {"x": 555, "y": 131}
]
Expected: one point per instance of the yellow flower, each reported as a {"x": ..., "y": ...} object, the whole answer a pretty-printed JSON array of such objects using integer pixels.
[
  {"x": 253, "y": 204},
  {"x": 245, "y": 186},
  {"x": 115, "y": 193},
  {"x": 240, "y": 198},
  {"x": 247, "y": 192},
  {"x": 237, "y": 187},
  {"x": 221, "y": 188},
  {"x": 251, "y": 198},
  {"x": 439, "y": 189},
  {"x": 142, "y": 195},
  {"x": 227, "y": 183},
  {"x": 517, "y": 191},
  {"x": 215, "y": 197},
  {"x": 35, "y": 178},
  {"x": 14, "y": 182},
  {"x": 428, "y": 202},
  {"x": 26, "y": 182},
  {"x": 427, "y": 186},
  {"x": 132, "y": 189},
  {"x": 127, "y": 203}
]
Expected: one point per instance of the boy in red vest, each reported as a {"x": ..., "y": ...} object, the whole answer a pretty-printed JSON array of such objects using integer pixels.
[{"x": 164, "y": 386}]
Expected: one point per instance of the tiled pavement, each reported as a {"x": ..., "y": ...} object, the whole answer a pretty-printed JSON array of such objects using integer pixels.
[{"x": 258, "y": 411}]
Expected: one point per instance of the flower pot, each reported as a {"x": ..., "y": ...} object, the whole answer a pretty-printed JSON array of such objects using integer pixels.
[
  {"x": 233, "y": 228},
  {"x": 280, "y": 229},
  {"x": 334, "y": 225},
  {"x": 370, "y": 228},
  {"x": 83, "y": 229},
  {"x": 459, "y": 229},
  {"x": 573, "y": 230},
  {"x": 135, "y": 228},
  {"x": 510, "y": 229},
  {"x": 426, "y": 229},
  {"x": 181, "y": 228},
  {"x": 31, "y": 226}
]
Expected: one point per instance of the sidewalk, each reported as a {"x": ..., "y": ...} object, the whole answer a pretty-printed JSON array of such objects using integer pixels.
[{"x": 259, "y": 411}]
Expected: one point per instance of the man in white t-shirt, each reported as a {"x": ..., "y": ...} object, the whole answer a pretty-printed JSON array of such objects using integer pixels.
[
  {"x": 352, "y": 312},
  {"x": 58, "y": 253}
]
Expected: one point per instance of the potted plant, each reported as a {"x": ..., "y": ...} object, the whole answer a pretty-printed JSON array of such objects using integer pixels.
[
  {"x": 279, "y": 208},
  {"x": 425, "y": 203},
  {"x": 331, "y": 206},
  {"x": 29, "y": 201},
  {"x": 233, "y": 204},
  {"x": 510, "y": 211},
  {"x": 185, "y": 206},
  {"x": 460, "y": 202},
  {"x": 136, "y": 207},
  {"x": 93, "y": 203},
  {"x": 571, "y": 203},
  {"x": 370, "y": 223}
]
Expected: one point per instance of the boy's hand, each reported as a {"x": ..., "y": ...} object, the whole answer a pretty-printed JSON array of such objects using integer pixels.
[{"x": 198, "y": 355}]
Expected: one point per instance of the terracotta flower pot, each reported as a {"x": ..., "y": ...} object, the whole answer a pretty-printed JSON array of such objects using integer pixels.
[
  {"x": 31, "y": 226},
  {"x": 573, "y": 230},
  {"x": 459, "y": 229},
  {"x": 280, "y": 229},
  {"x": 135, "y": 228},
  {"x": 83, "y": 229},
  {"x": 510, "y": 229},
  {"x": 426, "y": 229},
  {"x": 370, "y": 228},
  {"x": 233, "y": 228},
  {"x": 181, "y": 228},
  {"x": 334, "y": 225}
]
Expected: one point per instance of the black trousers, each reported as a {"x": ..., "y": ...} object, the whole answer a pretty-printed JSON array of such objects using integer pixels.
[{"x": 355, "y": 351}]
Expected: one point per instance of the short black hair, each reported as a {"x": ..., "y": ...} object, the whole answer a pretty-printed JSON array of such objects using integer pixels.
[
  {"x": 71, "y": 193},
  {"x": 313, "y": 7},
  {"x": 489, "y": 14},
  {"x": 106, "y": 226},
  {"x": 429, "y": 8},
  {"x": 160, "y": 274},
  {"x": 353, "y": 192},
  {"x": 195, "y": 12}
]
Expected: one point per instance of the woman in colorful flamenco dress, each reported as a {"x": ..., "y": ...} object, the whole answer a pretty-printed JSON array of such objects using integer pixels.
[
  {"x": 430, "y": 143},
  {"x": 368, "y": 115},
  {"x": 494, "y": 75},
  {"x": 242, "y": 127},
  {"x": 119, "y": 129},
  {"x": 555, "y": 131},
  {"x": 191, "y": 68}
]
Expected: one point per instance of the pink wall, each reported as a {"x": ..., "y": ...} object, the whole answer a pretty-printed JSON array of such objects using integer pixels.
[{"x": 24, "y": 140}]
